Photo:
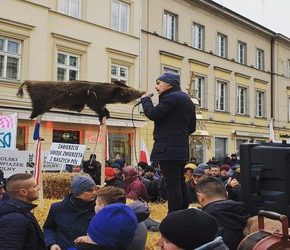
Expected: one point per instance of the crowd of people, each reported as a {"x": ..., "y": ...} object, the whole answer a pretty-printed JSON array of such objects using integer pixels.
[{"x": 90, "y": 217}]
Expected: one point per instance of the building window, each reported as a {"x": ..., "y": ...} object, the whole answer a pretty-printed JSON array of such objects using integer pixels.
[
  {"x": 198, "y": 36},
  {"x": 10, "y": 56},
  {"x": 242, "y": 53},
  {"x": 220, "y": 148},
  {"x": 260, "y": 104},
  {"x": 170, "y": 26},
  {"x": 120, "y": 16},
  {"x": 66, "y": 136},
  {"x": 21, "y": 138},
  {"x": 260, "y": 59},
  {"x": 200, "y": 90},
  {"x": 68, "y": 67},
  {"x": 71, "y": 7},
  {"x": 238, "y": 144},
  {"x": 221, "y": 96},
  {"x": 168, "y": 69},
  {"x": 119, "y": 73},
  {"x": 222, "y": 45},
  {"x": 120, "y": 144},
  {"x": 241, "y": 100}
]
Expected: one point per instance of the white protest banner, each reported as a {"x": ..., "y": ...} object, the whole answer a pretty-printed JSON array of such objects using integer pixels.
[
  {"x": 13, "y": 162},
  {"x": 8, "y": 130},
  {"x": 66, "y": 153}
]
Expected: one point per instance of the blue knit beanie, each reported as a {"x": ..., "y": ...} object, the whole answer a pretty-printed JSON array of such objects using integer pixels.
[
  {"x": 170, "y": 78},
  {"x": 81, "y": 184},
  {"x": 113, "y": 226}
]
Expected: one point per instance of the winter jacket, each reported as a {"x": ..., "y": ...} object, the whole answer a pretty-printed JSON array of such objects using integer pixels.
[
  {"x": 231, "y": 217},
  {"x": 174, "y": 120},
  {"x": 19, "y": 230},
  {"x": 89, "y": 246},
  {"x": 67, "y": 220}
]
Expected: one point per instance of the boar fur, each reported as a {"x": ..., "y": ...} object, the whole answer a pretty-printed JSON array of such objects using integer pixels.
[{"x": 74, "y": 95}]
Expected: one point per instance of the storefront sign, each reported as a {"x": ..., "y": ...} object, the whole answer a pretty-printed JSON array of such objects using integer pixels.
[{"x": 65, "y": 153}]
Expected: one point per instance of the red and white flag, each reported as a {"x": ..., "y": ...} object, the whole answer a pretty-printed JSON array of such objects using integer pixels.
[
  {"x": 271, "y": 131},
  {"x": 107, "y": 147},
  {"x": 144, "y": 155}
]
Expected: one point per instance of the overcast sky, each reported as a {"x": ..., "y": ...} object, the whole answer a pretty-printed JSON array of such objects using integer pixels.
[{"x": 273, "y": 14}]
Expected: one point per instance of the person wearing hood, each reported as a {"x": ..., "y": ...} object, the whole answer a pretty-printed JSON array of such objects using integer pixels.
[
  {"x": 111, "y": 195},
  {"x": 70, "y": 218},
  {"x": 18, "y": 226},
  {"x": 174, "y": 120},
  {"x": 134, "y": 187},
  {"x": 230, "y": 215}
]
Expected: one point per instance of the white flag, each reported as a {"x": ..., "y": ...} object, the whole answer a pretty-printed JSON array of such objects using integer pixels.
[{"x": 8, "y": 131}]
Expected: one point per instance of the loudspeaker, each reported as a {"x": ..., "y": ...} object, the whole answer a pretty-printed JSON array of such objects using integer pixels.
[{"x": 265, "y": 177}]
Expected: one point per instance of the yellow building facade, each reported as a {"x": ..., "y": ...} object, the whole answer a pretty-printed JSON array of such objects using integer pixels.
[{"x": 238, "y": 70}]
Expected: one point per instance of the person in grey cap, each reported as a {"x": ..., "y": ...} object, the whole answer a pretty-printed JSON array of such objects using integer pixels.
[
  {"x": 174, "y": 120},
  {"x": 69, "y": 218}
]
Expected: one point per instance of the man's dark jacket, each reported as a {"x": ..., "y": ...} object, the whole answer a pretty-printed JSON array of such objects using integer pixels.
[
  {"x": 19, "y": 229},
  {"x": 67, "y": 220},
  {"x": 231, "y": 217},
  {"x": 174, "y": 119}
]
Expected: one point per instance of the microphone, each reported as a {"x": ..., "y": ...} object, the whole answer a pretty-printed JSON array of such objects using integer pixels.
[{"x": 149, "y": 95}]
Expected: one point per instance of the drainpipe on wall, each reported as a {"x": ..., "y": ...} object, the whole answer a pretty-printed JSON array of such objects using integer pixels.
[{"x": 272, "y": 74}]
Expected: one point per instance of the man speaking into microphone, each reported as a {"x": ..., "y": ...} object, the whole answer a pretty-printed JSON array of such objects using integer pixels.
[{"x": 174, "y": 120}]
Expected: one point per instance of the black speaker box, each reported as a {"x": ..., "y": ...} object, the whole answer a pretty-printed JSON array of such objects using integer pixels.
[{"x": 265, "y": 177}]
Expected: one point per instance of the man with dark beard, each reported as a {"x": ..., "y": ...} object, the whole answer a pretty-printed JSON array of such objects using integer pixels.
[{"x": 174, "y": 120}]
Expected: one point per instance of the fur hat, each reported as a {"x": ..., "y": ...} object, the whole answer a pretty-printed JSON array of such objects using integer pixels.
[
  {"x": 113, "y": 226},
  {"x": 80, "y": 184},
  {"x": 189, "y": 228},
  {"x": 170, "y": 78}
]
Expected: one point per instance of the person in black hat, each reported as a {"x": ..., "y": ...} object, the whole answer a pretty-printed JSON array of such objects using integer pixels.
[
  {"x": 189, "y": 229},
  {"x": 174, "y": 120}
]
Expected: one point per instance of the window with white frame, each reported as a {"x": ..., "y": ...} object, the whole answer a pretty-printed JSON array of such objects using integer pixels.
[
  {"x": 71, "y": 7},
  {"x": 241, "y": 100},
  {"x": 198, "y": 36},
  {"x": 168, "y": 69},
  {"x": 222, "y": 45},
  {"x": 170, "y": 25},
  {"x": 200, "y": 90},
  {"x": 220, "y": 148},
  {"x": 68, "y": 67},
  {"x": 260, "y": 59},
  {"x": 10, "y": 57},
  {"x": 260, "y": 103},
  {"x": 120, "y": 16},
  {"x": 221, "y": 96},
  {"x": 119, "y": 73},
  {"x": 242, "y": 52}
]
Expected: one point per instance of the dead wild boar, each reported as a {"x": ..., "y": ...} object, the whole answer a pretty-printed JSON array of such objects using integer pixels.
[{"x": 74, "y": 95}]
